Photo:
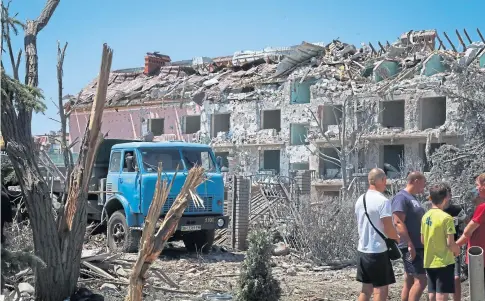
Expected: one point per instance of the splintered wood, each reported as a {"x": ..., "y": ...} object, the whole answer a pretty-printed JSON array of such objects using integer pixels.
[
  {"x": 79, "y": 179},
  {"x": 152, "y": 244}
]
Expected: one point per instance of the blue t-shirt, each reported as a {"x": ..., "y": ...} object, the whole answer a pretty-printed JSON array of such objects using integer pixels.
[{"x": 405, "y": 202}]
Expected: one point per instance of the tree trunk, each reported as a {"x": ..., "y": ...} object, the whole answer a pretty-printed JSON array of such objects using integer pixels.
[{"x": 60, "y": 250}]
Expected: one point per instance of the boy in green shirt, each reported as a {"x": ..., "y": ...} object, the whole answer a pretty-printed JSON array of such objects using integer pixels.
[{"x": 440, "y": 249}]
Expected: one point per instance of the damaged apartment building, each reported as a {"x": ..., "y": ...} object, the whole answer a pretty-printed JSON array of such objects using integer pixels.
[{"x": 283, "y": 109}]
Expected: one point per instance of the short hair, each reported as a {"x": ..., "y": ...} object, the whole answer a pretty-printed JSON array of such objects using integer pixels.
[
  {"x": 438, "y": 193},
  {"x": 374, "y": 175},
  {"x": 415, "y": 176},
  {"x": 481, "y": 178}
]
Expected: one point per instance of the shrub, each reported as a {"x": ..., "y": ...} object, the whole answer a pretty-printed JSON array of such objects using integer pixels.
[{"x": 256, "y": 282}]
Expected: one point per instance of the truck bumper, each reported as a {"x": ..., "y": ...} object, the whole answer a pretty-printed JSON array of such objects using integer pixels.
[{"x": 196, "y": 223}]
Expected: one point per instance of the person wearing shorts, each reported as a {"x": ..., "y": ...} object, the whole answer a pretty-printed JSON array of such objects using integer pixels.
[
  {"x": 407, "y": 213},
  {"x": 438, "y": 237},
  {"x": 459, "y": 218},
  {"x": 374, "y": 268}
]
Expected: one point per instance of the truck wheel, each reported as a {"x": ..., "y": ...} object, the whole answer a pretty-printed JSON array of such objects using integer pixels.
[
  {"x": 120, "y": 237},
  {"x": 199, "y": 241}
]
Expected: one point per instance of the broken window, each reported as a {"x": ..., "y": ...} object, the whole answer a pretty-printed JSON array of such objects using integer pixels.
[
  {"x": 300, "y": 92},
  {"x": 422, "y": 154},
  {"x": 300, "y": 166},
  {"x": 156, "y": 126},
  {"x": 330, "y": 115},
  {"x": 298, "y": 133},
  {"x": 433, "y": 112},
  {"x": 328, "y": 169},
  {"x": 392, "y": 114},
  {"x": 271, "y": 161},
  {"x": 225, "y": 160},
  {"x": 191, "y": 124},
  {"x": 393, "y": 159},
  {"x": 220, "y": 123},
  {"x": 271, "y": 119}
]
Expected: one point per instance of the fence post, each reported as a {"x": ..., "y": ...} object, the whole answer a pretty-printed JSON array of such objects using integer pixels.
[{"x": 239, "y": 209}]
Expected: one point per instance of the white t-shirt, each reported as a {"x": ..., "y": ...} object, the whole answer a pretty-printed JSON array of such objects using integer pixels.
[{"x": 378, "y": 206}]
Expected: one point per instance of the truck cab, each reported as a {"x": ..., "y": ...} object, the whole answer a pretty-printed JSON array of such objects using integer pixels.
[{"x": 127, "y": 190}]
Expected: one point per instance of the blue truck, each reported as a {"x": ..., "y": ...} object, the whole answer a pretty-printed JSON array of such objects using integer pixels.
[{"x": 122, "y": 186}]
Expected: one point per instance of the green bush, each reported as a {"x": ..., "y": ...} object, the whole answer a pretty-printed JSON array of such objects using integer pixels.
[{"x": 256, "y": 282}]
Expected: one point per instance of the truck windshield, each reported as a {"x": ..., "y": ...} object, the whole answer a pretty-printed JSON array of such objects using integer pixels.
[
  {"x": 199, "y": 157},
  {"x": 169, "y": 157}
]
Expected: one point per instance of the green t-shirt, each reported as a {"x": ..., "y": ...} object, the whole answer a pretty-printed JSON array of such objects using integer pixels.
[{"x": 436, "y": 225}]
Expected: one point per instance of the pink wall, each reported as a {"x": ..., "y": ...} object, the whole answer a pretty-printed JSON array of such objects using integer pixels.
[{"x": 126, "y": 123}]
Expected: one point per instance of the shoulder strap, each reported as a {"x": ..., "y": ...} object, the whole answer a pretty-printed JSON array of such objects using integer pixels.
[{"x": 370, "y": 221}]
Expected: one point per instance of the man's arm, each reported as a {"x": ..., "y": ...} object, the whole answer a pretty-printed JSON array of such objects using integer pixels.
[
  {"x": 389, "y": 229},
  {"x": 399, "y": 222},
  {"x": 477, "y": 219},
  {"x": 467, "y": 233},
  {"x": 422, "y": 239}
]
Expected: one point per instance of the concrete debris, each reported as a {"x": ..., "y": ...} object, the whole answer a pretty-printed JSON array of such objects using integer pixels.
[
  {"x": 26, "y": 288},
  {"x": 108, "y": 288},
  {"x": 280, "y": 249},
  {"x": 330, "y": 62}
]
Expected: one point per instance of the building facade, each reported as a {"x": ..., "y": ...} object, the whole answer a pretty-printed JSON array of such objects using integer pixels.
[{"x": 314, "y": 106}]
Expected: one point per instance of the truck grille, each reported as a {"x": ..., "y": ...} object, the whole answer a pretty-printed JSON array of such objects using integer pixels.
[
  {"x": 191, "y": 208},
  {"x": 109, "y": 189}
]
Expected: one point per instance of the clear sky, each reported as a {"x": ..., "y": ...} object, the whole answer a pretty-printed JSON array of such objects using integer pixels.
[{"x": 185, "y": 29}]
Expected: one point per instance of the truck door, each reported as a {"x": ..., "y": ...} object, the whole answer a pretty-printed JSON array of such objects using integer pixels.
[{"x": 129, "y": 180}]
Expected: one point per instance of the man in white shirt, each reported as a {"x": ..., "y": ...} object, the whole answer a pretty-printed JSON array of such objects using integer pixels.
[{"x": 374, "y": 268}]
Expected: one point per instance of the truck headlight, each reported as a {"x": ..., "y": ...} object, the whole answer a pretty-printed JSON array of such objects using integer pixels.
[{"x": 220, "y": 223}]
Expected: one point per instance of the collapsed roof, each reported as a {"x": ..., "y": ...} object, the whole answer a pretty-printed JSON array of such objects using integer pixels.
[{"x": 366, "y": 68}]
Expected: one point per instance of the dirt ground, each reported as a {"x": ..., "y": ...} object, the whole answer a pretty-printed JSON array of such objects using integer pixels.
[{"x": 202, "y": 277}]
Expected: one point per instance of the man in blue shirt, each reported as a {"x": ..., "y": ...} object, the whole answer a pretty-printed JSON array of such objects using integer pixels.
[{"x": 407, "y": 214}]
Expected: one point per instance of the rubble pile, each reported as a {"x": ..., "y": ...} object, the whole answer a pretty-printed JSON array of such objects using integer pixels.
[{"x": 337, "y": 67}]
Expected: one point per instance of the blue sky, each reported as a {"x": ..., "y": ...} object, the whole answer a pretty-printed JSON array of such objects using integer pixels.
[{"x": 187, "y": 29}]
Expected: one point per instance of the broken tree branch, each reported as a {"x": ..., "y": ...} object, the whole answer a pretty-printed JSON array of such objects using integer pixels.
[
  {"x": 79, "y": 180},
  {"x": 66, "y": 152},
  {"x": 152, "y": 245}
]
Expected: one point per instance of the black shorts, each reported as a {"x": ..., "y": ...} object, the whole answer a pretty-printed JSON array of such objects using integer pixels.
[
  {"x": 415, "y": 267},
  {"x": 375, "y": 269},
  {"x": 441, "y": 280}
]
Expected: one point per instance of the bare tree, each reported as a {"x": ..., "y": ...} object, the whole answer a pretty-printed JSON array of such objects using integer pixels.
[
  {"x": 56, "y": 242},
  {"x": 66, "y": 149},
  {"x": 355, "y": 118}
]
